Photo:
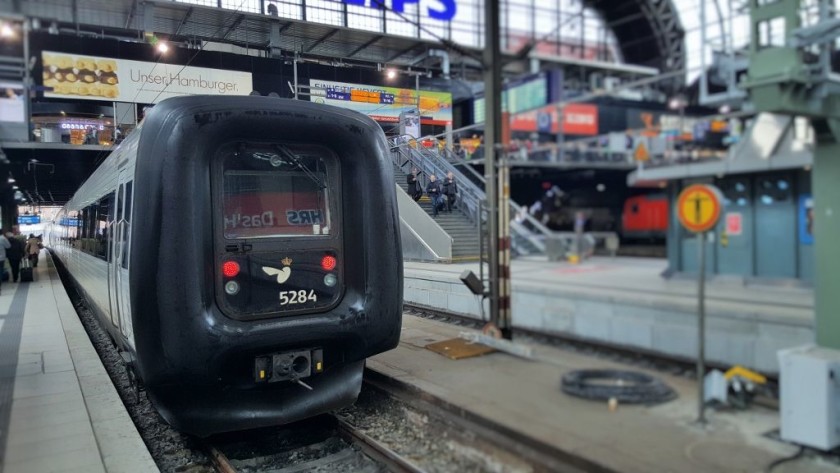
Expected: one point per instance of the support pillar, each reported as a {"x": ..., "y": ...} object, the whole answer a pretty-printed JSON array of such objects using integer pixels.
[
  {"x": 499, "y": 305},
  {"x": 826, "y": 192}
]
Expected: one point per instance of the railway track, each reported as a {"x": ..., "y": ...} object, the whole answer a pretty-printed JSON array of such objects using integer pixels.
[
  {"x": 392, "y": 428},
  {"x": 344, "y": 448}
]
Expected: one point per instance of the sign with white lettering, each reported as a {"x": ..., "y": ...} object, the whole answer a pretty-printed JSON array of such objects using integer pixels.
[
  {"x": 29, "y": 219},
  {"x": 437, "y": 9},
  {"x": 121, "y": 80}
]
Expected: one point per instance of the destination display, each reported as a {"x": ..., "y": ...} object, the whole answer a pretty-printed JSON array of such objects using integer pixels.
[{"x": 384, "y": 104}]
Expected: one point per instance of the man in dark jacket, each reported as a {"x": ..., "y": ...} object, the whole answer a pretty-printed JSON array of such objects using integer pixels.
[
  {"x": 433, "y": 190},
  {"x": 414, "y": 189},
  {"x": 450, "y": 190},
  {"x": 14, "y": 254}
]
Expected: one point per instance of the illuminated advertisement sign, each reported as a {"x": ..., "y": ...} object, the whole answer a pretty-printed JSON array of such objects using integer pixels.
[
  {"x": 527, "y": 94},
  {"x": 578, "y": 119},
  {"x": 11, "y": 102},
  {"x": 384, "y": 104},
  {"x": 97, "y": 78}
]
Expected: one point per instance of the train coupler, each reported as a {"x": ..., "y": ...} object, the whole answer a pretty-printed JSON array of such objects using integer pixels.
[{"x": 288, "y": 366}]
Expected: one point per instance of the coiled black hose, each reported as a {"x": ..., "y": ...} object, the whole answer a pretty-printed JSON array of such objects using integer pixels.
[{"x": 627, "y": 387}]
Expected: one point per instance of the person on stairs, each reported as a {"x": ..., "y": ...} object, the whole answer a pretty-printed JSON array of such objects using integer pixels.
[
  {"x": 450, "y": 190},
  {"x": 414, "y": 188},
  {"x": 434, "y": 191}
]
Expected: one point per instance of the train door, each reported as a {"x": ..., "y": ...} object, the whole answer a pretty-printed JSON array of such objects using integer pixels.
[
  {"x": 118, "y": 274},
  {"x": 113, "y": 263},
  {"x": 735, "y": 244},
  {"x": 775, "y": 224}
]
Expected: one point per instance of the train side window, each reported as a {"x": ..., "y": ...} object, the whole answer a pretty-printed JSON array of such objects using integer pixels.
[
  {"x": 120, "y": 206},
  {"x": 104, "y": 216},
  {"x": 84, "y": 225},
  {"x": 126, "y": 234}
]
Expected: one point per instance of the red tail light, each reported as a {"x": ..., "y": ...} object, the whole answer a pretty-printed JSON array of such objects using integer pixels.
[
  {"x": 328, "y": 262},
  {"x": 230, "y": 269}
]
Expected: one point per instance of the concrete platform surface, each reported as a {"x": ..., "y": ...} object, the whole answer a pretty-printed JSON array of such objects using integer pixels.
[
  {"x": 525, "y": 396},
  {"x": 626, "y": 301},
  {"x": 59, "y": 410}
]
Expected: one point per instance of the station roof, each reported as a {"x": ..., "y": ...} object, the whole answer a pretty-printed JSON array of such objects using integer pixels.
[{"x": 648, "y": 32}]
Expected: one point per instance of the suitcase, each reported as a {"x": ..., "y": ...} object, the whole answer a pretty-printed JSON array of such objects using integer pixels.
[{"x": 26, "y": 274}]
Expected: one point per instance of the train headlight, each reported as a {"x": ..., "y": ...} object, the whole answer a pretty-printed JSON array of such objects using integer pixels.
[
  {"x": 232, "y": 288},
  {"x": 330, "y": 280}
]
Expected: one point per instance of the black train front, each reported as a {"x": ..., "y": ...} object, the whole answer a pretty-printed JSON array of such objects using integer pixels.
[{"x": 265, "y": 259}]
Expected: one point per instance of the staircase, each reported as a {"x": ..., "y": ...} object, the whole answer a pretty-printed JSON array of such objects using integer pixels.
[{"x": 465, "y": 245}]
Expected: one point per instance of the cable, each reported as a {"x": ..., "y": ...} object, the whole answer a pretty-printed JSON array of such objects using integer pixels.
[
  {"x": 103, "y": 154},
  {"x": 627, "y": 387},
  {"x": 787, "y": 459}
]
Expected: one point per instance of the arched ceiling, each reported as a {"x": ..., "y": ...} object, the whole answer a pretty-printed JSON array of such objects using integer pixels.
[{"x": 648, "y": 32}]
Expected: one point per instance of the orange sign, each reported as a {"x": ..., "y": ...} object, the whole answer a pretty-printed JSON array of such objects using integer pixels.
[
  {"x": 698, "y": 207},
  {"x": 641, "y": 152},
  {"x": 578, "y": 119}
]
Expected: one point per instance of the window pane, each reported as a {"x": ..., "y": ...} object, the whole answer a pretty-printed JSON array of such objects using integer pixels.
[{"x": 276, "y": 191}]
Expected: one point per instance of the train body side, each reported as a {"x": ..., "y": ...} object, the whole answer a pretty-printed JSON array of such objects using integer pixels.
[{"x": 645, "y": 216}]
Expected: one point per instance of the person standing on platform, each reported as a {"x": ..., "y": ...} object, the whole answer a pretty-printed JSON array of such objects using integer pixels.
[
  {"x": 450, "y": 190},
  {"x": 33, "y": 247},
  {"x": 4, "y": 245},
  {"x": 433, "y": 190},
  {"x": 14, "y": 254}
]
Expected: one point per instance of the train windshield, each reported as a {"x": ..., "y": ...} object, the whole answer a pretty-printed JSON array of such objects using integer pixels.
[{"x": 276, "y": 191}]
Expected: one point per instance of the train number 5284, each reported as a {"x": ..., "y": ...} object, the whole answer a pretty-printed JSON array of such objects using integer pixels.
[{"x": 297, "y": 297}]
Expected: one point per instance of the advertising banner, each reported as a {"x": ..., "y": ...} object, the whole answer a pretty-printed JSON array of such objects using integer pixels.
[
  {"x": 578, "y": 119},
  {"x": 11, "y": 102},
  {"x": 384, "y": 104},
  {"x": 97, "y": 78}
]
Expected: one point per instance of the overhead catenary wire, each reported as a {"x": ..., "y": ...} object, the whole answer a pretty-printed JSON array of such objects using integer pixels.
[{"x": 189, "y": 61}]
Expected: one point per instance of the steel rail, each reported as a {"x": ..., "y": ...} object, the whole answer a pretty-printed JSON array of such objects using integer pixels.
[
  {"x": 220, "y": 461},
  {"x": 375, "y": 450}
]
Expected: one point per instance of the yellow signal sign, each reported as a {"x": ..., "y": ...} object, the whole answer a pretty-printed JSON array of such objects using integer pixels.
[{"x": 698, "y": 207}]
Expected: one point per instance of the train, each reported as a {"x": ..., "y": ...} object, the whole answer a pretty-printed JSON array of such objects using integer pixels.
[
  {"x": 231, "y": 248},
  {"x": 638, "y": 217}
]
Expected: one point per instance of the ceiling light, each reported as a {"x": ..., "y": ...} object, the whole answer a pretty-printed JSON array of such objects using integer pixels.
[
  {"x": 11, "y": 180},
  {"x": 6, "y": 31},
  {"x": 163, "y": 47},
  {"x": 391, "y": 73}
]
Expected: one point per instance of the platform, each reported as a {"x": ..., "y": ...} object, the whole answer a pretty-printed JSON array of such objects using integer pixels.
[
  {"x": 626, "y": 301},
  {"x": 525, "y": 397},
  {"x": 59, "y": 411}
]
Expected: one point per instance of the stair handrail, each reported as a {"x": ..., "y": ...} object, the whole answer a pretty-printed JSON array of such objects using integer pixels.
[
  {"x": 470, "y": 195},
  {"x": 473, "y": 193}
]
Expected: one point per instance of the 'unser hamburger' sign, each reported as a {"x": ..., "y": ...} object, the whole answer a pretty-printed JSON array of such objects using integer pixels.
[{"x": 97, "y": 78}]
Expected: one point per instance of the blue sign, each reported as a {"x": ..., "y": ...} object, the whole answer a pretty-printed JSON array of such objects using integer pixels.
[
  {"x": 544, "y": 122},
  {"x": 446, "y": 11},
  {"x": 806, "y": 219},
  {"x": 69, "y": 222},
  {"x": 29, "y": 219}
]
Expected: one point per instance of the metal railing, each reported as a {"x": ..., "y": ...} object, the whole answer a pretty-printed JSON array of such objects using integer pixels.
[{"x": 528, "y": 234}]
